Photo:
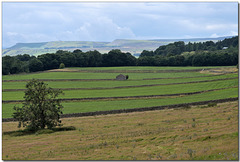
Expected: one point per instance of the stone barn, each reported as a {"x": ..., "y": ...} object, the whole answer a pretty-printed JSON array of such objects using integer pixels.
[{"x": 121, "y": 77}]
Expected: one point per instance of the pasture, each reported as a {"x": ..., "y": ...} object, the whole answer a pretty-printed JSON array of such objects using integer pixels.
[
  {"x": 145, "y": 84},
  {"x": 197, "y": 133},
  {"x": 187, "y": 133}
]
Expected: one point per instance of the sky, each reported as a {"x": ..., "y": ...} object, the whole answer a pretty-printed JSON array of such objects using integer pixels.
[{"x": 30, "y": 22}]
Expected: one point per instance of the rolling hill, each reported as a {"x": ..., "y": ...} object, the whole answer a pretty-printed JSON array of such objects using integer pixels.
[{"x": 126, "y": 45}]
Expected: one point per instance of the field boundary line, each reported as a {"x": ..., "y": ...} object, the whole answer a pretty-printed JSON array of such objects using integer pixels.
[
  {"x": 138, "y": 71},
  {"x": 174, "y": 106},
  {"x": 120, "y": 87},
  {"x": 184, "y": 77},
  {"x": 126, "y": 97},
  {"x": 26, "y": 80},
  {"x": 133, "y": 71}
]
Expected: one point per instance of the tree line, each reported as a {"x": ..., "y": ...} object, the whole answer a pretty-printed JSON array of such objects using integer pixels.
[{"x": 221, "y": 53}]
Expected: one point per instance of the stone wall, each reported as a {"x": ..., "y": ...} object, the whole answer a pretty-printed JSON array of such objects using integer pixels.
[{"x": 138, "y": 109}]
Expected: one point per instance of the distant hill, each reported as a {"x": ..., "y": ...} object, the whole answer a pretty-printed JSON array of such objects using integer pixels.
[{"x": 126, "y": 45}]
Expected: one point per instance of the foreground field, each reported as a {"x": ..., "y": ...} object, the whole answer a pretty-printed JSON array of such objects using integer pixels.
[{"x": 197, "y": 133}]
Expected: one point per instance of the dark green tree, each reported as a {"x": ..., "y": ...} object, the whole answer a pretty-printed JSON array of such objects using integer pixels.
[
  {"x": 35, "y": 65},
  {"x": 94, "y": 58},
  {"x": 11, "y": 65},
  {"x": 146, "y": 53},
  {"x": 40, "y": 107}
]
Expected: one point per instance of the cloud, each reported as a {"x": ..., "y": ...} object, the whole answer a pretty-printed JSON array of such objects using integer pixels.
[
  {"x": 34, "y": 22},
  {"x": 233, "y": 33},
  {"x": 11, "y": 38},
  {"x": 214, "y": 35},
  {"x": 101, "y": 29}
]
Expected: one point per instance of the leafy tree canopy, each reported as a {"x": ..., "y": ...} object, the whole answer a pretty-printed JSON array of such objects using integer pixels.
[{"x": 40, "y": 108}]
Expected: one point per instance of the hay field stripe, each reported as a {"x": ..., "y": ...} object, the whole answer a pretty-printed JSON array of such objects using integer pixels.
[
  {"x": 96, "y": 76},
  {"x": 103, "y": 105},
  {"x": 113, "y": 79},
  {"x": 165, "y": 89},
  {"x": 118, "y": 111},
  {"x": 127, "y": 97},
  {"x": 119, "y": 87}
]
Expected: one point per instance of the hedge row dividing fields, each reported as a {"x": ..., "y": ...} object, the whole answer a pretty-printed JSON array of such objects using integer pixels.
[{"x": 83, "y": 95}]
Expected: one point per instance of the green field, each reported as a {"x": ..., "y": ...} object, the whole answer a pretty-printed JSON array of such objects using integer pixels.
[
  {"x": 109, "y": 84},
  {"x": 138, "y": 91},
  {"x": 144, "y": 68},
  {"x": 200, "y": 132},
  {"x": 221, "y": 85},
  {"x": 103, "y": 75},
  {"x": 91, "y": 106}
]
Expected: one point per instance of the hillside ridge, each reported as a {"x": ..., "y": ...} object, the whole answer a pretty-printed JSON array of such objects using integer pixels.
[{"x": 126, "y": 45}]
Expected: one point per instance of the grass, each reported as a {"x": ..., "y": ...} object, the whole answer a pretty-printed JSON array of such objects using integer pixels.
[
  {"x": 91, "y": 106},
  {"x": 89, "y": 75},
  {"x": 156, "y": 90},
  {"x": 25, "y": 131},
  {"x": 136, "y": 79},
  {"x": 108, "y": 84},
  {"x": 153, "y": 68},
  {"x": 134, "y": 136}
]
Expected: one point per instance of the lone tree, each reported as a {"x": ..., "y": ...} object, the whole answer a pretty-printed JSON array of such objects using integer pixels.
[
  {"x": 61, "y": 66},
  {"x": 40, "y": 107}
]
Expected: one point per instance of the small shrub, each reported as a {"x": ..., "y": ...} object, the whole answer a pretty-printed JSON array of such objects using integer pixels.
[
  {"x": 69, "y": 128},
  {"x": 139, "y": 139},
  {"x": 140, "y": 124},
  {"x": 205, "y": 130},
  {"x": 186, "y": 107},
  {"x": 61, "y": 66},
  {"x": 153, "y": 138},
  {"x": 193, "y": 119},
  {"x": 105, "y": 144},
  {"x": 127, "y": 77},
  {"x": 212, "y": 104},
  {"x": 44, "y": 131},
  {"x": 206, "y": 138}
]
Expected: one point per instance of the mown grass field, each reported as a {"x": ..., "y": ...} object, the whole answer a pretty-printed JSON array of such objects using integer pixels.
[
  {"x": 143, "y": 81},
  {"x": 196, "y": 133},
  {"x": 136, "y": 91},
  {"x": 109, "y": 84},
  {"x": 103, "y": 105},
  {"x": 94, "y": 75}
]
